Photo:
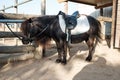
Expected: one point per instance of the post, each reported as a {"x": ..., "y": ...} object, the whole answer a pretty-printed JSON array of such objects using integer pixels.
[
  {"x": 16, "y": 7},
  {"x": 43, "y": 7},
  {"x": 114, "y": 8},
  {"x": 66, "y": 7},
  {"x": 39, "y": 49},
  {"x": 3, "y": 25},
  {"x": 16, "y": 25},
  {"x": 102, "y": 24},
  {"x": 101, "y": 11},
  {"x": 68, "y": 31}
]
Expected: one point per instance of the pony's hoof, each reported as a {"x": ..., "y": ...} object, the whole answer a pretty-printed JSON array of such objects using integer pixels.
[
  {"x": 64, "y": 62},
  {"x": 43, "y": 56},
  {"x": 58, "y": 60},
  {"x": 88, "y": 59}
]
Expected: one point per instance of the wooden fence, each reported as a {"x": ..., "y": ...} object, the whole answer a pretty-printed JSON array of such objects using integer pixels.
[{"x": 19, "y": 52}]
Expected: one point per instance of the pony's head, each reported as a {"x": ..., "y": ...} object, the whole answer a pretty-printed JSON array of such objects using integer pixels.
[
  {"x": 25, "y": 26},
  {"x": 28, "y": 29}
]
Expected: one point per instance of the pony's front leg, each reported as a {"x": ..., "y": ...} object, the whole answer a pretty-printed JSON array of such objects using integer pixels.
[
  {"x": 64, "y": 59},
  {"x": 59, "y": 50},
  {"x": 62, "y": 51},
  {"x": 43, "y": 51},
  {"x": 59, "y": 59}
]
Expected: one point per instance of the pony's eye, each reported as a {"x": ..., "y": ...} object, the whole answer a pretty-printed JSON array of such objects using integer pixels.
[{"x": 70, "y": 22}]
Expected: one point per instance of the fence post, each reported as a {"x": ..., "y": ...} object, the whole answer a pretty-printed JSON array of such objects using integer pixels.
[
  {"x": 16, "y": 11},
  {"x": 43, "y": 7},
  {"x": 66, "y": 7},
  {"x": 102, "y": 24},
  {"x": 39, "y": 49},
  {"x": 3, "y": 25}
]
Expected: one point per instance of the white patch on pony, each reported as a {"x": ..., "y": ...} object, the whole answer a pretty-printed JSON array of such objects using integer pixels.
[
  {"x": 62, "y": 23},
  {"x": 82, "y": 25}
]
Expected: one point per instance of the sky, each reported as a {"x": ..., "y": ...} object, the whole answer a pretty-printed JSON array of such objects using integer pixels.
[{"x": 52, "y": 7}]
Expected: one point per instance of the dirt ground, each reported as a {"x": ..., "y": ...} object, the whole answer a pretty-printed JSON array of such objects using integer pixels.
[{"x": 104, "y": 66}]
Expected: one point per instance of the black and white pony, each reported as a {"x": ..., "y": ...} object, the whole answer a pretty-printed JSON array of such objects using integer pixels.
[{"x": 61, "y": 28}]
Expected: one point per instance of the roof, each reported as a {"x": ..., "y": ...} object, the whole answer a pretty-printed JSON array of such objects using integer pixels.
[{"x": 96, "y": 3}]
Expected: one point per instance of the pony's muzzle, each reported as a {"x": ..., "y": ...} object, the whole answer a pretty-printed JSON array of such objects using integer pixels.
[{"x": 25, "y": 40}]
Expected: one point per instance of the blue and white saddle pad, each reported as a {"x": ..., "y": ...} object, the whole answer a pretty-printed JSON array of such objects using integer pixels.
[{"x": 82, "y": 25}]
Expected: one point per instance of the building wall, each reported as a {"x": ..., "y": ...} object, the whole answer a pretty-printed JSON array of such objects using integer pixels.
[{"x": 106, "y": 26}]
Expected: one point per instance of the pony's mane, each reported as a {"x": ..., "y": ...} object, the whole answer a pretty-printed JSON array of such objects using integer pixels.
[
  {"x": 25, "y": 27},
  {"x": 38, "y": 23}
]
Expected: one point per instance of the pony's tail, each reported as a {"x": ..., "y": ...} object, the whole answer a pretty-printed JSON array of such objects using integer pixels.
[
  {"x": 99, "y": 34},
  {"x": 96, "y": 28}
]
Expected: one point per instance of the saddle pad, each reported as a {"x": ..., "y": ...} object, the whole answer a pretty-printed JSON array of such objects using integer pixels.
[
  {"x": 82, "y": 25},
  {"x": 62, "y": 23}
]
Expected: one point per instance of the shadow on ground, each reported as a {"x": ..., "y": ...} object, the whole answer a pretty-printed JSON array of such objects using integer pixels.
[{"x": 104, "y": 66}]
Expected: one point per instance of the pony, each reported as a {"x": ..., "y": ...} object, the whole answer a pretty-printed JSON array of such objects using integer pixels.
[
  {"x": 60, "y": 28},
  {"x": 41, "y": 30}
]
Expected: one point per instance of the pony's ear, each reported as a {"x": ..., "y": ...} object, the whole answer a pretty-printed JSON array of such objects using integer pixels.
[
  {"x": 30, "y": 20},
  {"x": 76, "y": 14},
  {"x": 59, "y": 12}
]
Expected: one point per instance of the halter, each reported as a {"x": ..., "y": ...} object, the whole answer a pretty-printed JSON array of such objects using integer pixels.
[
  {"x": 26, "y": 38},
  {"x": 33, "y": 38},
  {"x": 13, "y": 32}
]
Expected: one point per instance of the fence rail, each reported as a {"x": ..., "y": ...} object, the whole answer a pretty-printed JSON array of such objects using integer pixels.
[
  {"x": 13, "y": 6},
  {"x": 9, "y": 34},
  {"x": 11, "y": 21},
  {"x": 16, "y": 49},
  {"x": 16, "y": 16}
]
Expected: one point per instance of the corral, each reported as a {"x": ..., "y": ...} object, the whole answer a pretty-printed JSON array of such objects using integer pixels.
[{"x": 104, "y": 66}]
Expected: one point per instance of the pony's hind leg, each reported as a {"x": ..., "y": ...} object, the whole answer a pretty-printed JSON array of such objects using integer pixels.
[
  {"x": 91, "y": 45},
  {"x": 43, "y": 52},
  {"x": 64, "y": 59}
]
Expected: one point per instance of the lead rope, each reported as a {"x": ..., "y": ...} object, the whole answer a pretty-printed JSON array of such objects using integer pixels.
[
  {"x": 13, "y": 32},
  {"x": 42, "y": 31},
  {"x": 20, "y": 37}
]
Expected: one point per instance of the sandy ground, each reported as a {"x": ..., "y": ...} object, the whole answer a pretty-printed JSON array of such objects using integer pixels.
[{"x": 104, "y": 66}]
